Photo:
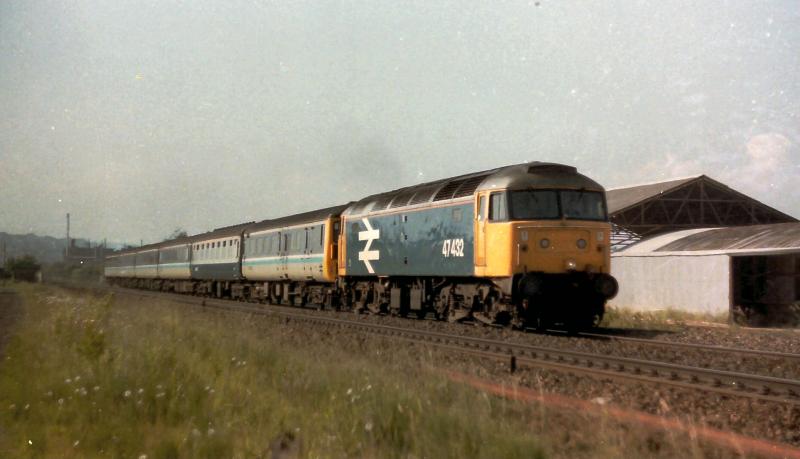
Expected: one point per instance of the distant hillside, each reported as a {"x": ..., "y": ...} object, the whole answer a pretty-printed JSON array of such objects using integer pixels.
[{"x": 45, "y": 249}]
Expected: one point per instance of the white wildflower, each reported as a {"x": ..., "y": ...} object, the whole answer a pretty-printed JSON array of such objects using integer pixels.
[
  {"x": 349, "y": 391},
  {"x": 141, "y": 391},
  {"x": 127, "y": 393},
  {"x": 12, "y": 406},
  {"x": 211, "y": 431},
  {"x": 61, "y": 401},
  {"x": 27, "y": 405},
  {"x": 96, "y": 388},
  {"x": 68, "y": 381},
  {"x": 76, "y": 443},
  {"x": 160, "y": 394},
  {"x": 368, "y": 426}
]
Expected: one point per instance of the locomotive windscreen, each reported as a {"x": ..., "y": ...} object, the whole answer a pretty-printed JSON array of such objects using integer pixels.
[{"x": 555, "y": 204}]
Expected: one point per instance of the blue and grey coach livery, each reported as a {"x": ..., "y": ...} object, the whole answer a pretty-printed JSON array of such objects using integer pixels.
[
  {"x": 216, "y": 260},
  {"x": 526, "y": 244}
]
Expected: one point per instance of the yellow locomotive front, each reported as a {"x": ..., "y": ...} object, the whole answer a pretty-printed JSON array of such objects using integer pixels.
[{"x": 542, "y": 234}]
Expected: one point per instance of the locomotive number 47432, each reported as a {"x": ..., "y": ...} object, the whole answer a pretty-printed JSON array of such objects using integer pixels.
[{"x": 453, "y": 248}]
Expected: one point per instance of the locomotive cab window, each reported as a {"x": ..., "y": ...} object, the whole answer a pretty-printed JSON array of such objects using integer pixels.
[
  {"x": 497, "y": 207},
  {"x": 534, "y": 204},
  {"x": 583, "y": 205},
  {"x": 555, "y": 204}
]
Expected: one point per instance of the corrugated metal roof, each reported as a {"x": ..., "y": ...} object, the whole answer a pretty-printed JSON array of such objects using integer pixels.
[
  {"x": 773, "y": 238},
  {"x": 622, "y": 198}
]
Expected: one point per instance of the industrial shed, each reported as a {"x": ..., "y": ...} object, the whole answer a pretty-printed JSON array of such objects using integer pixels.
[
  {"x": 641, "y": 211},
  {"x": 695, "y": 244},
  {"x": 752, "y": 272}
]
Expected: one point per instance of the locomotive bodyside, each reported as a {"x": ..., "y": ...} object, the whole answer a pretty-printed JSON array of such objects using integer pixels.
[
  {"x": 410, "y": 241},
  {"x": 463, "y": 247}
]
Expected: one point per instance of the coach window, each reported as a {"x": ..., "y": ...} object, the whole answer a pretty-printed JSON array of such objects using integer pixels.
[
  {"x": 481, "y": 212},
  {"x": 497, "y": 207}
]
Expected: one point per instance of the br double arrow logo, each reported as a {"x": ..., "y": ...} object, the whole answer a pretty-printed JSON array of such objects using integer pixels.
[{"x": 368, "y": 255}]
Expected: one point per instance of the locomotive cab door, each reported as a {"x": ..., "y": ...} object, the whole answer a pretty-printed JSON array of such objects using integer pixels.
[{"x": 481, "y": 204}]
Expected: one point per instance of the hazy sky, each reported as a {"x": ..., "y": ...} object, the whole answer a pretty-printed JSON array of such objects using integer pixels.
[{"x": 140, "y": 117}]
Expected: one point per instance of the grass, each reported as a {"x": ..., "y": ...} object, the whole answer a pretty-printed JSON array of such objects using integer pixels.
[
  {"x": 664, "y": 318},
  {"x": 101, "y": 377},
  {"x": 112, "y": 377}
]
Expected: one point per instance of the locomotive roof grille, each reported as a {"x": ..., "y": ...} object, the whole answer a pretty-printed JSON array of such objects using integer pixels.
[
  {"x": 382, "y": 201},
  {"x": 551, "y": 168},
  {"x": 424, "y": 194},
  {"x": 469, "y": 186},
  {"x": 402, "y": 199},
  {"x": 460, "y": 188},
  {"x": 448, "y": 190}
]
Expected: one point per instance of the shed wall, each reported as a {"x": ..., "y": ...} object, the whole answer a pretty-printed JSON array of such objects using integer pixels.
[{"x": 686, "y": 283}]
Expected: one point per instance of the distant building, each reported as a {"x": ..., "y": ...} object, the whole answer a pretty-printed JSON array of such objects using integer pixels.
[
  {"x": 697, "y": 245},
  {"x": 85, "y": 255}
]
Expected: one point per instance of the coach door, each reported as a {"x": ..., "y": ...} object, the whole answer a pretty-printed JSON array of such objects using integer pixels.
[
  {"x": 481, "y": 201},
  {"x": 284, "y": 262}
]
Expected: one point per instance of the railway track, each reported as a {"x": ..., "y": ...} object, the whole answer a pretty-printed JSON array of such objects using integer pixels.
[
  {"x": 701, "y": 347},
  {"x": 729, "y": 383}
]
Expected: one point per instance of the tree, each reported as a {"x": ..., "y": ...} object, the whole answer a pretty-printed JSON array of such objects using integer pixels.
[{"x": 23, "y": 268}]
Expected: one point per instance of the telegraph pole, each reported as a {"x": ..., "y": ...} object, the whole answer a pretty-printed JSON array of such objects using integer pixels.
[{"x": 66, "y": 252}]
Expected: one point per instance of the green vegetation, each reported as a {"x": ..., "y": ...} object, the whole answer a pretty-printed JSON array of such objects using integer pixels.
[
  {"x": 86, "y": 377},
  {"x": 23, "y": 268},
  {"x": 75, "y": 273},
  {"x": 666, "y": 318}
]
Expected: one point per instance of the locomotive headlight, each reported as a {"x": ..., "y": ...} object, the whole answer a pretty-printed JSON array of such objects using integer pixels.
[
  {"x": 570, "y": 265},
  {"x": 581, "y": 244},
  {"x": 544, "y": 243}
]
